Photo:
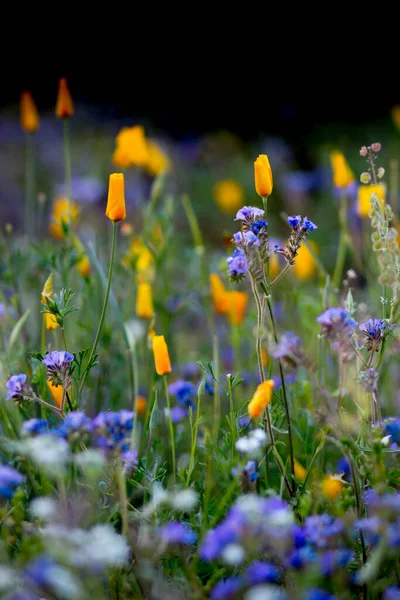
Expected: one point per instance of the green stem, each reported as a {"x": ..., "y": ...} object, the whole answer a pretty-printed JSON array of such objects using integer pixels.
[
  {"x": 286, "y": 268},
  {"x": 170, "y": 426},
  {"x": 196, "y": 429},
  {"x": 341, "y": 255},
  {"x": 67, "y": 168},
  {"x": 103, "y": 312},
  {"x": 64, "y": 339},
  {"x": 123, "y": 500},
  {"x": 232, "y": 414},
  {"x": 217, "y": 393},
  {"x": 259, "y": 325}
]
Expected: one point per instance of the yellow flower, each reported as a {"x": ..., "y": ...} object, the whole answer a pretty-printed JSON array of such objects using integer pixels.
[
  {"x": 141, "y": 405},
  {"x": 161, "y": 356},
  {"x": 263, "y": 176},
  {"x": 157, "y": 160},
  {"x": 237, "y": 306},
  {"x": 219, "y": 295},
  {"x": 60, "y": 214},
  {"x": 273, "y": 265},
  {"x": 50, "y": 320},
  {"x": 64, "y": 106},
  {"x": 261, "y": 399},
  {"x": 144, "y": 301},
  {"x": 342, "y": 174},
  {"x": 131, "y": 147},
  {"x": 332, "y": 486},
  {"x": 299, "y": 471},
  {"x": 228, "y": 195},
  {"x": 116, "y": 210},
  {"x": 264, "y": 357},
  {"x": 84, "y": 267},
  {"x": 364, "y": 198},
  {"x": 396, "y": 116},
  {"x": 29, "y": 115},
  {"x": 56, "y": 392},
  {"x": 305, "y": 266},
  {"x": 143, "y": 261}
]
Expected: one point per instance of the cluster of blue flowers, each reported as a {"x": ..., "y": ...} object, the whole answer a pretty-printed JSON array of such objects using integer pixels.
[
  {"x": 184, "y": 392},
  {"x": 297, "y": 223},
  {"x": 9, "y": 480},
  {"x": 177, "y": 533},
  {"x": 338, "y": 327},
  {"x": 301, "y": 227},
  {"x": 253, "y": 234},
  {"x": 375, "y": 330}
]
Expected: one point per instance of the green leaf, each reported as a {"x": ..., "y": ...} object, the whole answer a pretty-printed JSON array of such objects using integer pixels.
[{"x": 17, "y": 330}]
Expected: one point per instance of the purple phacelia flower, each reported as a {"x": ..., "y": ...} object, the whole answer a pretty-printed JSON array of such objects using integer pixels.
[
  {"x": 289, "y": 349},
  {"x": 130, "y": 461},
  {"x": 178, "y": 413},
  {"x": 294, "y": 221},
  {"x": 237, "y": 264},
  {"x": 177, "y": 533},
  {"x": 309, "y": 225},
  {"x": 244, "y": 239},
  {"x": 375, "y": 330},
  {"x": 75, "y": 426},
  {"x": 261, "y": 572},
  {"x": 337, "y": 326},
  {"x": 34, "y": 427},
  {"x": 111, "y": 430},
  {"x": 227, "y": 589},
  {"x": 9, "y": 479},
  {"x": 58, "y": 364},
  {"x": 184, "y": 391},
  {"x": 257, "y": 226},
  {"x": 249, "y": 213},
  {"x": 17, "y": 387},
  {"x": 318, "y": 594}
]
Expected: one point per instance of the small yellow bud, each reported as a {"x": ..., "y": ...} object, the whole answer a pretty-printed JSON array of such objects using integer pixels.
[
  {"x": 342, "y": 174},
  {"x": 144, "y": 301},
  {"x": 261, "y": 398},
  {"x": 263, "y": 176},
  {"x": 56, "y": 392},
  {"x": 84, "y": 267}
]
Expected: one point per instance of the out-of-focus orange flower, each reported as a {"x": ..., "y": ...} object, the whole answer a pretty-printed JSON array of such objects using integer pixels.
[
  {"x": 228, "y": 195},
  {"x": 261, "y": 399},
  {"x": 64, "y": 106},
  {"x": 116, "y": 210},
  {"x": 84, "y": 267},
  {"x": 131, "y": 148},
  {"x": 50, "y": 320},
  {"x": 364, "y": 198},
  {"x": 126, "y": 229},
  {"x": 263, "y": 176},
  {"x": 219, "y": 295},
  {"x": 305, "y": 266},
  {"x": 342, "y": 174},
  {"x": 29, "y": 116},
  {"x": 141, "y": 406},
  {"x": 142, "y": 260},
  {"x": 157, "y": 160},
  {"x": 237, "y": 306},
  {"x": 299, "y": 471},
  {"x": 144, "y": 301},
  {"x": 332, "y": 487},
  {"x": 61, "y": 214},
  {"x": 264, "y": 357},
  {"x": 161, "y": 356},
  {"x": 56, "y": 392}
]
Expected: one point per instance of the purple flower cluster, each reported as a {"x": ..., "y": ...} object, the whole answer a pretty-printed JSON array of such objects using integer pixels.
[
  {"x": 237, "y": 265},
  {"x": 297, "y": 223},
  {"x": 111, "y": 430},
  {"x": 244, "y": 239},
  {"x": 337, "y": 326},
  {"x": 249, "y": 214},
  {"x": 34, "y": 427},
  {"x": 375, "y": 330},
  {"x": 177, "y": 533},
  {"x": 184, "y": 391},
  {"x": 9, "y": 479},
  {"x": 289, "y": 349},
  {"x": 301, "y": 227},
  {"x": 17, "y": 387},
  {"x": 76, "y": 427},
  {"x": 58, "y": 366}
]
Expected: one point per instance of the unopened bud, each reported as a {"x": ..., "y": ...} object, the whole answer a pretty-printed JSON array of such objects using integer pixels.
[
  {"x": 381, "y": 172},
  {"x": 376, "y": 147},
  {"x": 365, "y": 177},
  {"x": 363, "y": 151}
]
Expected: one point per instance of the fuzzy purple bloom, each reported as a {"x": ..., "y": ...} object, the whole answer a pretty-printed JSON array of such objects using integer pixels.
[
  {"x": 184, "y": 392},
  {"x": 309, "y": 225},
  {"x": 130, "y": 460},
  {"x": 318, "y": 594},
  {"x": 9, "y": 479},
  {"x": 244, "y": 239},
  {"x": 258, "y": 225},
  {"x": 227, "y": 589},
  {"x": 17, "y": 386},
  {"x": 34, "y": 427},
  {"x": 262, "y": 572},
  {"x": 248, "y": 213},
  {"x": 375, "y": 330},
  {"x": 178, "y": 413},
  {"x": 75, "y": 425},
  {"x": 237, "y": 263},
  {"x": 294, "y": 221},
  {"x": 58, "y": 364},
  {"x": 177, "y": 533}
]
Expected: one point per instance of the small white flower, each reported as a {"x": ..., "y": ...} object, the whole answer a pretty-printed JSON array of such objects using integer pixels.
[
  {"x": 260, "y": 436},
  {"x": 105, "y": 548},
  {"x": 386, "y": 440},
  {"x": 248, "y": 445},
  {"x": 264, "y": 592},
  {"x": 184, "y": 500},
  {"x": 233, "y": 554},
  {"x": 64, "y": 583},
  {"x": 44, "y": 508},
  {"x": 281, "y": 518},
  {"x": 49, "y": 453},
  {"x": 91, "y": 461}
]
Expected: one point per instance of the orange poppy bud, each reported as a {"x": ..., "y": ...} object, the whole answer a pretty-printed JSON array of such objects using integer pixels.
[
  {"x": 219, "y": 295},
  {"x": 237, "y": 306},
  {"x": 84, "y": 267},
  {"x": 64, "y": 106},
  {"x": 131, "y": 147},
  {"x": 305, "y": 266},
  {"x": 144, "y": 301},
  {"x": 29, "y": 115},
  {"x": 116, "y": 210},
  {"x": 161, "y": 356},
  {"x": 50, "y": 320},
  {"x": 141, "y": 406},
  {"x": 263, "y": 176},
  {"x": 56, "y": 392},
  {"x": 261, "y": 399}
]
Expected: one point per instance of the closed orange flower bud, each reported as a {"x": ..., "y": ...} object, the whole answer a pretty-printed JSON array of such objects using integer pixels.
[
  {"x": 261, "y": 399},
  {"x": 332, "y": 487},
  {"x": 56, "y": 392},
  {"x": 29, "y": 115},
  {"x": 237, "y": 306},
  {"x": 342, "y": 174},
  {"x": 84, "y": 267},
  {"x": 219, "y": 295},
  {"x": 141, "y": 406},
  {"x": 64, "y": 106},
  {"x": 144, "y": 301},
  {"x": 161, "y": 356},
  {"x": 365, "y": 192},
  {"x": 50, "y": 320},
  {"x": 116, "y": 210},
  {"x": 299, "y": 471},
  {"x": 263, "y": 176}
]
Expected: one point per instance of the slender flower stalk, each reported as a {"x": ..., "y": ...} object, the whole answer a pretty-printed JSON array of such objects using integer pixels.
[
  {"x": 343, "y": 240},
  {"x": 67, "y": 169},
  {"x": 29, "y": 184},
  {"x": 170, "y": 426},
  {"x": 123, "y": 499}
]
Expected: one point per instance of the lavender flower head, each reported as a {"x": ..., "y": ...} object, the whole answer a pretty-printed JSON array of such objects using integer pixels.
[
  {"x": 258, "y": 225},
  {"x": 227, "y": 588},
  {"x": 237, "y": 265},
  {"x": 244, "y": 239},
  {"x": 34, "y": 427},
  {"x": 260, "y": 571},
  {"x": 301, "y": 227},
  {"x": 111, "y": 430},
  {"x": 9, "y": 479},
  {"x": 58, "y": 364},
  {"x": 288, "y": 349},
  {"x": 130, "y": 461},
  {"x": 177, "y": 533},
  {"x": 75, "y": 426},
  {"x": 338, "y": 327},
  {"x": 17, "y": 387},
  {"x": 184, "y": 391},
  {"x": 375, "y": 330},
  {"x": 249, "y": 214}
]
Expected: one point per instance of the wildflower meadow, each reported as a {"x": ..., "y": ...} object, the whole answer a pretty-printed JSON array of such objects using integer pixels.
[{"x": 198, "y": 367}]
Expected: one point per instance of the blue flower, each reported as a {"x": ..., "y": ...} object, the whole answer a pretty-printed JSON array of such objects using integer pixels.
[
  {"x": 294, "y": 221},
  {"x": 58, "y": 364},
  {"x": 177, "y": 533},
  {"x": 178, "y": 413},
  {"x": 375, "y": 330},
  {"x": 338, "y": 327},
  {"x": 391, "y": 593},
  {"x": 216, "y": 540},
  {"x": 343, "y": 466},
  {"x": 250, "y": 470},
  {"x": 332, "y": 560},
  {"x": 75, "y": 425},
  {"x": 301, "y": 557},
  {"x": 112, "y": 430},
  {"x": 34, "y": 427},
  {"x": 237, "y": 263},
  {"x": 258, "y": 225},
  {"x": 246, "y": 238},
  {"x": 318, "y": 594},
  {"x": 391, "y": 426},
  {"x": 249, "y": 213},
  {"x": 39, "y": 571},
  {"x": 289, "y": 348},
  {"x": 309, "y": 225},
  {"x": 262, "y": 572},
  {"x": 322, "y": 529},
  {"x": 226, "y": 589},
  {"x": 184, "y": 392},
  {"x": 17, "y": 387},
  {"x": 9, "y": 479},
  {"x": 130, "y": 460}
]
